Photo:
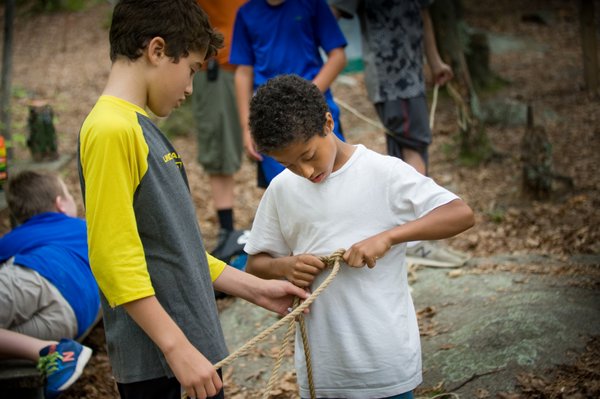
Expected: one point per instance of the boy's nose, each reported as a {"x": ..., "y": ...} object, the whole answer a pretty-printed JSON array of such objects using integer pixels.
[
  {"x": 306, "y": 170},
  {"x": 189, "y": 88}
]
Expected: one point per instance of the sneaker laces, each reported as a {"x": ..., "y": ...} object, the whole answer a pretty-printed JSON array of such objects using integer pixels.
[{"x": 49, "y": 364}]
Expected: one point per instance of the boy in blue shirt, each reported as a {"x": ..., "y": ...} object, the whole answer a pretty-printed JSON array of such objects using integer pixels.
[
  {"x": 273, "y": 37},
  {"x": 47, "y": 290}
]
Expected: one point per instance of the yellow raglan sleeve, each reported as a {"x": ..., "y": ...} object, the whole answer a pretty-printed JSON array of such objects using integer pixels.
[
  {"x": 113, "y": 155},
  {"x": 216, "y": 266}
]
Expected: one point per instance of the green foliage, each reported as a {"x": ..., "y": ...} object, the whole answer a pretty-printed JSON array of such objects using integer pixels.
[
  {"x": 496, "y": 215},
  {"x": 62, "y": 5},
  {"x": 18, "y": 140},
  {"x": 477, "y": 152},
  {"x": 107, "y": 21},
  {"x": 19, "y": 92}
]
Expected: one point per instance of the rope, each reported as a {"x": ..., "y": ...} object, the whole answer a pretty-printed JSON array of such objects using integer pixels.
[
  {"x": 433, "y": 106},
  {"x": 332, "y": 261},
  {"x": 306, "y": 346},
  {"x": 280, "y": 355},
  {"x": 378, "y": 124},
  {"x": 359, "y": 115}
]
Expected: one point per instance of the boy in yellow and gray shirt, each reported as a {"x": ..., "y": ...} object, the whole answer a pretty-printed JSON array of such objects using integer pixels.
[{"x": 145, "y": 245}]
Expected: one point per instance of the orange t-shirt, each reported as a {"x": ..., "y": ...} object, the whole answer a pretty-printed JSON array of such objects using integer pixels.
[{"x": 221, "y": 15}]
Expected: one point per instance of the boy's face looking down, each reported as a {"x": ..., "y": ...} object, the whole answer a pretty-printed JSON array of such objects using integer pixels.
[
  {"x": 314, "y": 159},
  {"x": 170, "y": 82}
]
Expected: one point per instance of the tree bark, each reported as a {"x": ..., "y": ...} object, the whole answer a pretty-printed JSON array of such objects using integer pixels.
[
  {"x": 446, "y": 15},
  {"x": 5, "y": 78},
  {"x": 42, "y": 135},
  {"x": 589, "y": 46}
]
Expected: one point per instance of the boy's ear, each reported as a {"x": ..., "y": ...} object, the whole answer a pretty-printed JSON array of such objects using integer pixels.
[
  {"x": 156, "y": 49},
  {"x": 59, "y": 204},
  {"x": 329, "y": 123}
]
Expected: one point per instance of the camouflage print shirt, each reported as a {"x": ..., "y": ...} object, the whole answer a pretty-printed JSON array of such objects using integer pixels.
[{"x": 392, "y": 45}]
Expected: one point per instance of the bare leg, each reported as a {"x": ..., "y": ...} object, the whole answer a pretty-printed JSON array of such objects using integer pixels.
[
  {"x": 20, "y": 346},
  {"x": 414, "y": 159},
  {"x": 222, "y": 191}
]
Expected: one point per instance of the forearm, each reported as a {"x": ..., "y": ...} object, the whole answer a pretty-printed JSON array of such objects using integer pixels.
[
  {"x": 192, "y": 369},
  {"x": 237, "y": 283},
  {"x": 244, "y": 81},
  {"x": 336, "y": 61},
  {"x": 443, "y": 222},
  {"x": 149, "y": 314},
  {"x": 274, "y": 295},
  {"x": 265, "y": 266},
  {"x": 431, "y": 51}
]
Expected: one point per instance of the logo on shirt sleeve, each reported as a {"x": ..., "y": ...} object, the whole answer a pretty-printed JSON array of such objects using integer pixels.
[{"x": 173, "y": 156}]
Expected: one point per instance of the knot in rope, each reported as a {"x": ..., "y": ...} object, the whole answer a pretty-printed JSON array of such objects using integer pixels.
[
  {"x": 332, "y": 261},
  {"x": 334, "y": 257}
]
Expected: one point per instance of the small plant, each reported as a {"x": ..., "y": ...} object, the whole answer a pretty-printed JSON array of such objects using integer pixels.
[{"x": 496, "y": 215}]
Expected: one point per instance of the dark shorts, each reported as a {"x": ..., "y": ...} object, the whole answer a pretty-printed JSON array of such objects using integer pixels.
[
  {"x": 158, "y": 388},
  {"x": 408, "y": 121}
]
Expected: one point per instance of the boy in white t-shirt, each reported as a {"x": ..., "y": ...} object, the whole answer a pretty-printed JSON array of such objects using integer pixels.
[{"x": 362, "y": 329}]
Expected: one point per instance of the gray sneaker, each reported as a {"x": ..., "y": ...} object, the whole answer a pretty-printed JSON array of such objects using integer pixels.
[{"x": 429, "y": 253}]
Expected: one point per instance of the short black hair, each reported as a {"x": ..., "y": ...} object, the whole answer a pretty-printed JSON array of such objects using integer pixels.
[
  {"x": 284, "y": 110},
  {"x": 181, "y": 23}
]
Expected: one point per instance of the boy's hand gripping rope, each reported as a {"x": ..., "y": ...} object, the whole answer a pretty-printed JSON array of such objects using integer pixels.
[{"x": 332, "y": 261}]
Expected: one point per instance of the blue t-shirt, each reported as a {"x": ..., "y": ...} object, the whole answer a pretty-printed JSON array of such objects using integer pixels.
[
  {"x": 55, "y": 246},
  {"x": 285, "y": 39}
]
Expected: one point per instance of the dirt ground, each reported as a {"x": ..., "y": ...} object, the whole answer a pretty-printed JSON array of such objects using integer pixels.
[{"x": 63, "y": 58}]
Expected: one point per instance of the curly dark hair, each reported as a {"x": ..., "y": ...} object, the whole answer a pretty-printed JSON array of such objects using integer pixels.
[
  {"x": 181, "y": 23},
  {"x": 284, "y": 110}
]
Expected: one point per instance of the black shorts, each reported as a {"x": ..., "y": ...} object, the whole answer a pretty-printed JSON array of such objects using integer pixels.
[
  {"x": 408, "y": 123},
  {"x": 157, "y": 388}
]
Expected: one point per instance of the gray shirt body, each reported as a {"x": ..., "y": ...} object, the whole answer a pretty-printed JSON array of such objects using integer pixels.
[{"x": 392, "y": 45}]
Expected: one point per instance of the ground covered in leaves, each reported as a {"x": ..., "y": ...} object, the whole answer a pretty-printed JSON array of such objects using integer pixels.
[{"x": 63, "y": 58}]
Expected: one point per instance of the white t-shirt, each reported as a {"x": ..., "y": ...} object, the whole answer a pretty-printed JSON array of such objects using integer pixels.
[{"x": 362, "y": 329}]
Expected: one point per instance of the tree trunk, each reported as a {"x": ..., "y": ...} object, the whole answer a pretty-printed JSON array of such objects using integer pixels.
[
  {"x": 5, "y": 78},
  {"x": 589, "y": 46},
  {"x": 449, "y": 31},
  {"x": 536, "y": 158},
  {"x": 42, "y": 135}
]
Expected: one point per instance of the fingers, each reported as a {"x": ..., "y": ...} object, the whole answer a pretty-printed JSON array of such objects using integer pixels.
[
  {"x": 304, "y": 270},
  {"x": 354, "y": 258},
  {"x": 357, "y": 259},
  {"x": 253, "y": 154},
  {"x": 217, "y": 383},
  {"x": 444, "y": 76},
  {"x": 204, "y": 389},
  {"x": 296, "y": 290},
  {"x": 370, "y": 261},
  {"x": 302, "y": 279},
  {"x": 211, "y": 389}
]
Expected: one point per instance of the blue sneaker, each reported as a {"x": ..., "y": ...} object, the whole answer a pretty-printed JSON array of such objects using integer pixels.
[{"x": 62, "y": 364}]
